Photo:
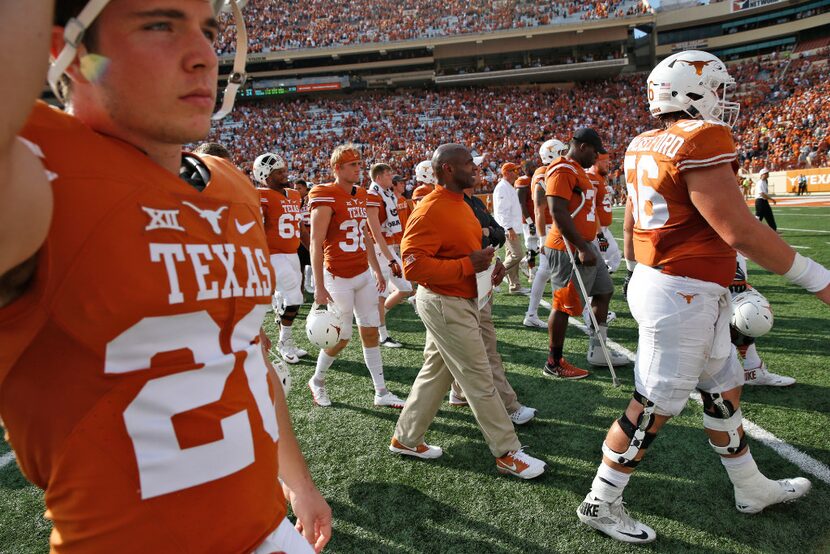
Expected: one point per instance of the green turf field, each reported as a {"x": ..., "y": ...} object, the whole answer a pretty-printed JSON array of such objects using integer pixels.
[{"x": 459, "y": 503}]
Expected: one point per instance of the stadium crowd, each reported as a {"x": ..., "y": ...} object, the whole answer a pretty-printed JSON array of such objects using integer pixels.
[
  {"x": 783, "y": 123},
  {"x": 322, "y": 23}
]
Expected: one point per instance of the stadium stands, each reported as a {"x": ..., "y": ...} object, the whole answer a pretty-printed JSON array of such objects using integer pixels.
[
  {"x": 783, "y": 124},
  {"x": 323, "y": 23}
]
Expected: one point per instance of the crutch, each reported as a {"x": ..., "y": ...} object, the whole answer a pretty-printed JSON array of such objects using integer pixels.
[{"x": 585, "y": 294}]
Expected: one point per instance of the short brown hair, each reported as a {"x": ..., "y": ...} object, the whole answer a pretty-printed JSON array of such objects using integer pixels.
[
  {"x": 213, "y": 149},
  {"x": 378, "y": 169}
]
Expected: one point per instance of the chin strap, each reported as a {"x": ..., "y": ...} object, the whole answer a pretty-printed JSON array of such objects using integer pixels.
[
  {"x": 238, "y": 77},
  {"x": 73, "y": 35}
]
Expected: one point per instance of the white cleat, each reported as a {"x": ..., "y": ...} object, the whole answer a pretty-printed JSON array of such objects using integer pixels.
[
  {"x": 319, "y": 394},
  {"x": 532, "y": 320},
  {"x": 520, "y": 464},
  {"x": 389, "y": 342},
  {"x": 752, "y": 500},
  {"x": 761, "y": 376},
  {"x": 613, "y": 519},
  {"x": 288, "y": 351},
  {"x": 388, "y": 399},
  {"x": 522, "y": 415},
  {"x": 597, "y": 358}
]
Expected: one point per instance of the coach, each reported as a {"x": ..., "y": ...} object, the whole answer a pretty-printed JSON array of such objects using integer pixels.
[{"x": 508, "y": 212}]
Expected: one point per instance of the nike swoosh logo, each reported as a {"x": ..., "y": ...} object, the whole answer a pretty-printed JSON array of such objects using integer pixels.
[
  {"x": 405, "y": 447},
  {"x": 244, "y": 228},
  {"x": 641, "y": 535},
  {"x": 511, "y": 467}
]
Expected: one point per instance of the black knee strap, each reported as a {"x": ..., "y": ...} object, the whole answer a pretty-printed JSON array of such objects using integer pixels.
[{"x": 290, "y": 312}]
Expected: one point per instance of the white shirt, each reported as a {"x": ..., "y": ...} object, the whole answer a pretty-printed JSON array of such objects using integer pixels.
[
  {"x": 762, "y": 188},
  {"x": 507, "y": 208}
]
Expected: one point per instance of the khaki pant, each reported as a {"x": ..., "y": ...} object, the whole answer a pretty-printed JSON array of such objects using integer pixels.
[
  {"x": 488, "y": 335},
  {"x": 512, "y": 258},
  {"x": 454, "y": 350}
]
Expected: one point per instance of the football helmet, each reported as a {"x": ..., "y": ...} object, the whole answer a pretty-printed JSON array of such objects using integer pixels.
[
  {"x": 323, "y": 326},
  {"x": 424, "y": 173},
  {"x": 73, "y": 35},
  {"x": 694, "y": 82},
  {"x": 552, "y": 149},
  {"x": 751, "y": 314},
  {"x": 265, "y": 164}
]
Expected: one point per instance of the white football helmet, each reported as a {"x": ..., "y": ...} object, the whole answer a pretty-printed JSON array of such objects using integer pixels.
[
  {"x": 323, "y": 326},
  {"x": 265, "y": 164},
  {"x": 694, "y": 82},
  {"x": 424, "y": 173},
  {"x": 751, "y": 314},
  {"x": 552, "y": 149},
  {"x": 73, "y": 35}
]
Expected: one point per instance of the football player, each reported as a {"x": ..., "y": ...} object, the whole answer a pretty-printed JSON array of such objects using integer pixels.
[
  {"x": 522, "y": 186},
  {"x": 283, "y": 217},
  {"x": 549, "y": 151},
  {"x": 342, "y": 253},
  {"x": 162, "y": 428},
  {"x": 683, "y": 223},
  {"x": 425, "y": 176},
  {"x": 755, "y": 370},
  {"x": 572, "y": 203},
  {"x": 385, "y": 222}
]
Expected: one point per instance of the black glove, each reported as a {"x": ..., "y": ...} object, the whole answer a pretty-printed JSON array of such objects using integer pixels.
[
  {"x": 603, "y": 242},
  {"x": 625, "y": 283},
  {"x": 532, "y": 228}
]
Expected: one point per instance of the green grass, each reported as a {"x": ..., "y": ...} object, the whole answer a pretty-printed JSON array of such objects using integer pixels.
[{"x": 383, "y": 503}]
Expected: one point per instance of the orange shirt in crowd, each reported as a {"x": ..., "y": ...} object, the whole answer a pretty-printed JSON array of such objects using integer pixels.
[
  {"x": 439, "y": 237},
  {"x": 282, "y": 213},
  {"x": 562, "y": 178},
  {"x": 669, "y": 232}
]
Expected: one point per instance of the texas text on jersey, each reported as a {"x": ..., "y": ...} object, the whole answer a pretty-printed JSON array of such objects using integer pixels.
[{"x": 132, "y": 384}]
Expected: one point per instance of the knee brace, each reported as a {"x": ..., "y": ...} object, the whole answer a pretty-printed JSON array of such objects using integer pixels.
[
  {"x": 720, "y": 415},
  {"x": 638, "y": 435},
  {"x": 288, "y": 313}
]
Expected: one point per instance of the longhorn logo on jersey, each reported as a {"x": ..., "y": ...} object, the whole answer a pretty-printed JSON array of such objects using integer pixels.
[{"x": 213, "y": 217}]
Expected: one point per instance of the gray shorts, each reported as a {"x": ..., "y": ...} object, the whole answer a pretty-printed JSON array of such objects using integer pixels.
[{"x": 596, "y": 278}]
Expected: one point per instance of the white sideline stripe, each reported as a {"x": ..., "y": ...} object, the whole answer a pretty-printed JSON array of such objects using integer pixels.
[
  {"x": 803, "y": 461},
  {"x": 6, "y": 459},
  {"x": 801, "y": 247},
  {"x": 804, "y": 230}
]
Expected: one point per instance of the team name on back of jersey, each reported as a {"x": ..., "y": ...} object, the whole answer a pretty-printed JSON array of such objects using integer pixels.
[
  {"x": 667, "y": 144},
  {"x": 198, "y": 262}
]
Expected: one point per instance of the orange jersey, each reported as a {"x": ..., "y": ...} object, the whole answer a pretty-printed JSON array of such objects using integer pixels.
[
  {"x": 536, "y": 182},
  {"x": 344, "y": 248},
  {"x": 562, "y": 177},
  {"x": 132, "y": 383},
  {"x": 283, "y": 215},
  {"x": 404, "y": 209},
  {"x": 605, "y": 198},
  {"x": 669, "y": 232},
  {"x": 523, "y": 182},
  {"x": 421, "y": 191}
]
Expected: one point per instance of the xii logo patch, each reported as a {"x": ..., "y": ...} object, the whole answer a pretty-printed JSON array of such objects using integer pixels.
[{"x": 162, "y": 219}]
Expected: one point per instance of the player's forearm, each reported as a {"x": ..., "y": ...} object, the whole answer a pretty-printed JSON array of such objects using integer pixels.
[
  {"x": 565, "y": 223},
  {"x": 370, "y": 253},
  {"x": 377, "y": 235},
  {"x": 628, "y": 232}
]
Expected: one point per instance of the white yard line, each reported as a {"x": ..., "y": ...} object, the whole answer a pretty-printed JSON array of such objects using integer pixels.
[
  {"x": 804, "y": 462},
  {"x": 805, "y": 230},
  {"x": 801, "y": 247},
  {"x": 6, "y": 459}
]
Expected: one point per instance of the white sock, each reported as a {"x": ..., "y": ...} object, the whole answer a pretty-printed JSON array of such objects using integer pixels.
[
  {"x": 537, "y": 289},
  {"x": 743, "y": 470},
  {"x": 384, "y": 334},
  {"x": 751, "y": 360},
  {"x": 609, "y": 483},
  {"x": 285, "y": 332},
  {"x": 374, "y": 363},
  {"x": 324, "y": 362}
]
